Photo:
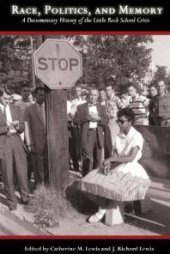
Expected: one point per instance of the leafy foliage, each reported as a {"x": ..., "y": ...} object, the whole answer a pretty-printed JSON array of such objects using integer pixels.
[
  {"x": 116, "y": 59},
  {"x": 15, "y": 61},
  {"x": 161, "y": 74}
]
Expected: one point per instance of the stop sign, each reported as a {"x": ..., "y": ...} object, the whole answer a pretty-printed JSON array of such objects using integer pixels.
[{"x": 58, "y": 64}]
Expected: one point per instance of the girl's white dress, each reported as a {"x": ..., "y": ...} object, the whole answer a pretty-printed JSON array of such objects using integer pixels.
[{"x": 125, "y": 182}]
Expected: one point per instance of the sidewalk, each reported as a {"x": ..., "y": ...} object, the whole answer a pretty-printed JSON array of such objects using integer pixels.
[
  {"x": 13, "y": 225},
  {"x": 154, "y": 222},
  {"x": 17, "y": 222}
]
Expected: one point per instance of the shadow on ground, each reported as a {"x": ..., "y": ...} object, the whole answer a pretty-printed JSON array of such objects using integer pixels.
[
  {"x": 79, "y": 200},
  {"x": 156, "y": 220}
]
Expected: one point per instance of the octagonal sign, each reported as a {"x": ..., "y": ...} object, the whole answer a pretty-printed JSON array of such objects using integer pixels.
[{"x": 58, "y": 64}]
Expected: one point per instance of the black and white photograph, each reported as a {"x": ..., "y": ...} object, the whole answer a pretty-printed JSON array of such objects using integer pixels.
[
  {"x": 84, "y": 126},
  {"x": 85, "y": 135}
]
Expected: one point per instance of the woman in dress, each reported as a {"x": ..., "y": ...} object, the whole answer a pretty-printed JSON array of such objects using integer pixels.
[{"x": 121, "y": 177}]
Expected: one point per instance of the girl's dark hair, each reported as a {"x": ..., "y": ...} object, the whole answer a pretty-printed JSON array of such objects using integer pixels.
[{"x": 128, "y": 113}]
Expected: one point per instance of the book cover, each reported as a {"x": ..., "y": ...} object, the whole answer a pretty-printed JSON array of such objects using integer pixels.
[{"x": 57, "y": 45}]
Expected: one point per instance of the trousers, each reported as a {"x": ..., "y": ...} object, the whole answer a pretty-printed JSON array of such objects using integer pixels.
[
  {"x": 14, "y": 164},
  {"x": 91, "y": 152}
]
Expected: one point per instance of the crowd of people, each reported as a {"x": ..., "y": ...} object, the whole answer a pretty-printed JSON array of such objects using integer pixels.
[
  {"x": 151, "y": 109},
  {"x": 101, "y": 137},
  {"x": 109, "y": 145}
]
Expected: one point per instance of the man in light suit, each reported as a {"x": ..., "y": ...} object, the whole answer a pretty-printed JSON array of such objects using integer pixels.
[
  {"x": 12, "y": 153},
  {"x": 34, "y": 117},
  {"x": 92, "y": 119}
]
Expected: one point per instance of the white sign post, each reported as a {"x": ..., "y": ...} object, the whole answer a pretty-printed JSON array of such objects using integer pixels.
[{"x": 58, "y": 64}]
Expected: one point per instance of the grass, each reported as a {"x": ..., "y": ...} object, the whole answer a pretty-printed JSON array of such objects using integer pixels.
[{"x": 50, "y": 206}]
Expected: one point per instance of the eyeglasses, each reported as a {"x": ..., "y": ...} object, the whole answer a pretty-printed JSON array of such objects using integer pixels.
[{"x": 121, "y": 121}]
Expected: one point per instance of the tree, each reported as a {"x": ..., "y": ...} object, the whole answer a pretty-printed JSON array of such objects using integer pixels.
[
  {"x": 160, "y": 74},
  {"x": 15, "y": 61},
  {"x": 116, "y": 59},
  {"x": 106, "y": 59},
  {"x": 6, "y": 43}
]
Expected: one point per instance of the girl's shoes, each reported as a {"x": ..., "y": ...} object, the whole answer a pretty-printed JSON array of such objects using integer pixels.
[{"x": 97, "y": 216}]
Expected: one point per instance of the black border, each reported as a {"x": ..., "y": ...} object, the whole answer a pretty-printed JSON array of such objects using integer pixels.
[{"x": 10, "y": 25}]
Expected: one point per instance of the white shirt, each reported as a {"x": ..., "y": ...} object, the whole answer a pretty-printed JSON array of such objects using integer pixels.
[
  {"x": 75, "y": 103},
  {"x": 124, "y": 143},
  {"x": 92, "y": 110},
  {"x": 9, "y": 119},
  {"x": 69, "y": 104},
  {"x": 2, "y": 107}
]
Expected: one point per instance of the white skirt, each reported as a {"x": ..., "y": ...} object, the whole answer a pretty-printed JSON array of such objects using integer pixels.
[{"x": 126, "y": 182}]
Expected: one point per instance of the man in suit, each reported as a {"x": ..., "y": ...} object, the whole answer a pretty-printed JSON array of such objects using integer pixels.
[
  {"x": 92, "y": 119},
  {"x": 12, "y": 153},
  {"x": 34, "y": 117}
]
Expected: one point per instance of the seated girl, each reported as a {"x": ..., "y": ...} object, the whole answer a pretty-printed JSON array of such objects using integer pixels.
[{"x": 120, "y": 178}]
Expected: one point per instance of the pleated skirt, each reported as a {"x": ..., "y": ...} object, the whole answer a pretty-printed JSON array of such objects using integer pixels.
[{"x": 126, "y": 182}]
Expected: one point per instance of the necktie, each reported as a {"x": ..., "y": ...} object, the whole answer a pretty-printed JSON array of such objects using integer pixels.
[
  {"x": 41, "y": 109},
  {"x": 4, "y": 112}
]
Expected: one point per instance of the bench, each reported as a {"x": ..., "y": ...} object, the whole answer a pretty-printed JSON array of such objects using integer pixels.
[{"x": 159, "y": 189}]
